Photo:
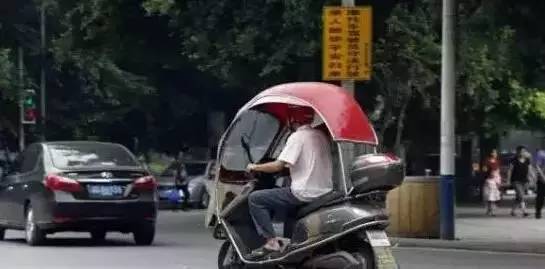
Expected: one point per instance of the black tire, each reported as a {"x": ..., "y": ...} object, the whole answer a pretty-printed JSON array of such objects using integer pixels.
[
  {"x": 366, "y": 259},
  {"x": 2, "y": 234},
  {"x": 34, "y": 236},
  {"x": 227, "y": 252},
  {"x": 205, "y": 200},
  {"x": 98, "y": 235},
  {"x": 144, "y": 234}
]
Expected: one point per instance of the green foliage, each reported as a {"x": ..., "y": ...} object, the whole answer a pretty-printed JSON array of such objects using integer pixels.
[
  {"x": 119, "y": 69},
  {"x": 407, "y": 61},
  {"x": 492, "y": 84},
  {"x": 246, "y": 43},
  {"x": 7, "y": 72},
  {"x": 92, "y": 43}
]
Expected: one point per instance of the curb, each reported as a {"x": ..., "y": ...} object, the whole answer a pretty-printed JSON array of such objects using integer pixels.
[{"x": 491, "y": 246}]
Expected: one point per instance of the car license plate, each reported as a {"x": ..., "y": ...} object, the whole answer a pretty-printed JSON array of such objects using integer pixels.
[
  {"x": 104, "y": 191},
  {"x": 378, "y": 238}
]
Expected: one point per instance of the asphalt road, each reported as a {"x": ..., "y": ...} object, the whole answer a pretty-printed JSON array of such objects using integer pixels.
[{"x": 183, "y": 243}]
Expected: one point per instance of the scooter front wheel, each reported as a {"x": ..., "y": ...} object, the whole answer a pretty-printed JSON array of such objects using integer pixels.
[{"x": 228, "y": 257}]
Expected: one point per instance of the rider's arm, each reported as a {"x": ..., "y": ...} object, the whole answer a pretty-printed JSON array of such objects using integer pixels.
[
  {"x": 270, "y": 167},
  {"x": 288, "y": 156}
]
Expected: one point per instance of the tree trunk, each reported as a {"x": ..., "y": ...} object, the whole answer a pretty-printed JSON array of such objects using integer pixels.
[
  {"x": 401, "y": 125},
  {"x": 387, "y": 121}
]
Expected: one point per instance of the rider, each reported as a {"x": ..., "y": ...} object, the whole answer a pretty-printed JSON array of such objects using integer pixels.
[
  {"x": 181, "y": 179},
  {"x": 307, "y": 155}
]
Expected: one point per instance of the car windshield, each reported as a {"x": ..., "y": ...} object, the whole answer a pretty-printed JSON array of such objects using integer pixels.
[
  {"x": 90, "y": 155},
  {"x": 195, "y": 169}
]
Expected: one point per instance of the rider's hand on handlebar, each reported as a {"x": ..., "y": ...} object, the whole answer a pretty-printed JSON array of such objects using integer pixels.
[{"x": 251, "y": 167}]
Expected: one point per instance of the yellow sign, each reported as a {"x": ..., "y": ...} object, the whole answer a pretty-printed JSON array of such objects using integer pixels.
[{"x": 347, "y": 43}]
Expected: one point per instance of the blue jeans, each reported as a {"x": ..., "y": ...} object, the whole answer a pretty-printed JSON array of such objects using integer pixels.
[{"x": 264, "y": 202}]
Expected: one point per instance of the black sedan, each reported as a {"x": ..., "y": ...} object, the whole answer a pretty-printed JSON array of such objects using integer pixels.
[{"x": 78, "y": 186}]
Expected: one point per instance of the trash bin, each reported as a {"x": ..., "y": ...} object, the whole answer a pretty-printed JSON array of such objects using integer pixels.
[{"x": 413, "y": 208}]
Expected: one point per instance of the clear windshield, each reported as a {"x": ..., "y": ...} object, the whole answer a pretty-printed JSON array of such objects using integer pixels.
[
  {"x": 349, "y": 153},
  {"x": 255, "y": 128}
]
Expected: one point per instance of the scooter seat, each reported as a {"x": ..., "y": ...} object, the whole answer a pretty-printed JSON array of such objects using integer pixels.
[{"x": 318, "y": 203}]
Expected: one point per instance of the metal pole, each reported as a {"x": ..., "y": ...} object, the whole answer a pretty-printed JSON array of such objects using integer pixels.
[
  {"x": 448, "y": 82},
  {"x": 349, "y": 85},
  {"x": 21, "y": 89},
  {"x": 42, "y": 75}
]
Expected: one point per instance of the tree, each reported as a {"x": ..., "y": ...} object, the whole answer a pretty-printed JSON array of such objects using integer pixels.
[
  {"x": 248, "y": 44},
  {"x": 407, "y": 64},
  {"x": 7, "y": 74},
  {"x": 129, "y": 69}
]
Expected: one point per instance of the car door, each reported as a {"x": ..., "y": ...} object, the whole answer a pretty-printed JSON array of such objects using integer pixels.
[
  {"x": 5, "y": 183},
  {"x": 19, "y": 184},
  {"x": 7, "y": 187}
]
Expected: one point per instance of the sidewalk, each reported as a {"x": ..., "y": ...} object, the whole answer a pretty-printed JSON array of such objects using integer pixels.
[{"x": 475, "y": 231}]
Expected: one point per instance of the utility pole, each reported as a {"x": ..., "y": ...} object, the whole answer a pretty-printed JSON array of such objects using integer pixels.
[
  {"x": 448, "y": 83},
  {"x": 42, "y": 75},
  {"x": 21, "y": 90},
  {"x": 349, "y": 85}
]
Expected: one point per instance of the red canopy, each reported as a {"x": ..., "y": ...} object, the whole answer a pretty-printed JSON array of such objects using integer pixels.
[{"x": 340, "y": 112}]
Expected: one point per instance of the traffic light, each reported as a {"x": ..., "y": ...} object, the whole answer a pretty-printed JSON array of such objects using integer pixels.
[{"x": 29, "y": 107}]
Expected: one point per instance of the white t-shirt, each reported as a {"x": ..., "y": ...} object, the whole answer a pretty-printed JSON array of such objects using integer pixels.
[{"x": 307, "y": 153}]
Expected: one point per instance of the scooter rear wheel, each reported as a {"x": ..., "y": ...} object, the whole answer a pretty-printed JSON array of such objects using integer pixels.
[
  {"x": 365, "y": 258},
  {"x": 362, "y": 252}
]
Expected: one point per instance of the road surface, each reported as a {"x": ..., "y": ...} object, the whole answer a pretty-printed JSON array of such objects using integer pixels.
[{"x": 183, "y": 243}]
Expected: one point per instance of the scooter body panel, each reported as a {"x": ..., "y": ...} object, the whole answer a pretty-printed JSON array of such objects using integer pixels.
[
  {"x": 322, "y": 227},
  {"x": 335, "y": 219}
]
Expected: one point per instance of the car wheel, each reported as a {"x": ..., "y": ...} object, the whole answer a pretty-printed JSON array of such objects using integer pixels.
[
  {"x": 144, "y": 234},
  {"x": 205, "y": 200},
  {"x": 2, "y": 234},
  {"x": 33, "y": 235},
  {"x": 98, "y": 235}
]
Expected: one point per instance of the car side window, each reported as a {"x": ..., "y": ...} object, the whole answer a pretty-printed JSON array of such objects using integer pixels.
[{"x": 29, "y": 159}]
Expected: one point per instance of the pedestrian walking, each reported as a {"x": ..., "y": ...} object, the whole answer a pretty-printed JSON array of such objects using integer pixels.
[
  {"x": 519, "y": 169},
  {"x": 540, "y": 181},
  {"x": 491, "y": 188},
  {"x": 181, "y": 180}
]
